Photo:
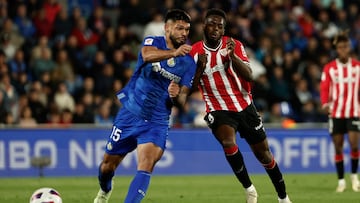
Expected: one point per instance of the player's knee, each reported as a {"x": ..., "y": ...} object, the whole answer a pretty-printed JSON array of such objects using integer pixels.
[
  {"x": 264, "y": 157},
  {"x": 227, "y": 143},
  {"x": 108, "y": 167}
]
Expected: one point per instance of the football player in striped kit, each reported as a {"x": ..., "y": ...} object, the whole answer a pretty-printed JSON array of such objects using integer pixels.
[
  {"x": 339, "y": 93},
  {"x": 223, "y": 76}
]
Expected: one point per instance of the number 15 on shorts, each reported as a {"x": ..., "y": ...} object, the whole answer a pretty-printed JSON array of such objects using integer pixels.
[{"x": 115, "y": 134}]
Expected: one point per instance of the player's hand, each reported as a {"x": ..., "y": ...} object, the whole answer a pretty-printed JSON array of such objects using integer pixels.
[
  {"x": 326, "y": 108},
  {"x": 183, "y": 50},
  {"x": 201, "y": 63},
  {"x": 173, "y": 89},
  {"x": 230, "y": 46}
]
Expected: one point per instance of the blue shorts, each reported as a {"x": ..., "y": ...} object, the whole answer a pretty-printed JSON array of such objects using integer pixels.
[{"x": 130, "y": 130}]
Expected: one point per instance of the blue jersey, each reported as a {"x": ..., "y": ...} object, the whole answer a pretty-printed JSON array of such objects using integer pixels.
[{"x": 146, "y": 95}]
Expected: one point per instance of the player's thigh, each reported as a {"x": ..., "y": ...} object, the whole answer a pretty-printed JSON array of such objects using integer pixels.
[
  {"x": 250, "y": 126},
  {"x": 123, "y": 136},
  {"x": 223, "y": 125},
  {"x": 337, "y": 126},
  {"x": 353, "y": 132}
]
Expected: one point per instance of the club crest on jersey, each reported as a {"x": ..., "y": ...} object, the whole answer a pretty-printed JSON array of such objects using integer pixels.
[{"x": 171, "y": 62}]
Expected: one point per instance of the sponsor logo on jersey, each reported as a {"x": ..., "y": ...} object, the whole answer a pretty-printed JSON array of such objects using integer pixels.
[{"x": 156, "y": 67}]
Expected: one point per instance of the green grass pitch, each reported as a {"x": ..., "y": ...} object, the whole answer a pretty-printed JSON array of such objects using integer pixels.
[{"x": 302, "y": 188}]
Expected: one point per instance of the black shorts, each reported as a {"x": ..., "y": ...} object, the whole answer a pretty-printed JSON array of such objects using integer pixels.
[
  {"x": 247, "y": 122},
  {"x": 343, "y": 125}
]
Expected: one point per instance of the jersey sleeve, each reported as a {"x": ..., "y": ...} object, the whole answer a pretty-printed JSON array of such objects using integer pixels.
[
  {"x": 240, "y": 52},
  {"x": 325, "y": 85},
  {"x": 151, "y": 41},
  {"x": 187, "y": 79}
]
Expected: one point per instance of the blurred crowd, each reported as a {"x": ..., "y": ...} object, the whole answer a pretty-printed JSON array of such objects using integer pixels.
[{"x": 60, "y": 65}]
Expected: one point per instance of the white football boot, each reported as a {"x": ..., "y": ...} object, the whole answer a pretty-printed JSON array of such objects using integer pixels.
[{"x": 251, "y": 194}]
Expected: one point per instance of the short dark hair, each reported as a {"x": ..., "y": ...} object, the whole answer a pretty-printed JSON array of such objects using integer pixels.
[
  {"x": 177, "y": 14},
  {"x": 217, "y": 12},
  {"x": 341, "y": 37}
]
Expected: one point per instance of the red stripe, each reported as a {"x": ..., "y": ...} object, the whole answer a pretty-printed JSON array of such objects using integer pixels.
[
  {"x": 210, "y": 94},
  {"x": 270, "y": 165},
  {"x": 231, "y": 150},
  {"x": 220, "y": 86},
  {"x": 339, "y": 157},
  {"x": 354, "y": 154}
]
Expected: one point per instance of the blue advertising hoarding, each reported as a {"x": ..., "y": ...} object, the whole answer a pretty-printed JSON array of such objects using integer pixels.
[{"x": 78, "y": 152}]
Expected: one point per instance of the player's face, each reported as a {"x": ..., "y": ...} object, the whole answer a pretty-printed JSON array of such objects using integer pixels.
[
  {"x": 178, "y": 32},
  {"x": 343, "y": 49},
  {"x": 214, "y": 28}
]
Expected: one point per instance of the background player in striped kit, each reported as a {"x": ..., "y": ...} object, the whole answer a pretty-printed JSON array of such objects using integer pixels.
[
  {"x": 339, "y": 92},
  {"x": 143, "y": 121},
  {"x": 223, "y": 75}
]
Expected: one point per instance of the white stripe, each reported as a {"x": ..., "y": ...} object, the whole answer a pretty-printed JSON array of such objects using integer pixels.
[
  {"x": 356, "y": 92},
  {"x": 348, "y": 83},
  {"x": 341, "y": 90},
  {"x": 333, "y": 89},
  {"x": 211, "y": 81},
  {"x": 213, "y": 84},
  {"x": 227, "y": 84}
]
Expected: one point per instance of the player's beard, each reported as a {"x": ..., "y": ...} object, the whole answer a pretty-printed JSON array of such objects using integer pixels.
[{"x": 175, "y": 42}]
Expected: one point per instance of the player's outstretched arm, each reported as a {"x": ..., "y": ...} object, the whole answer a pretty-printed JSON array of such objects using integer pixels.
[{"x": 153, "y": 54}]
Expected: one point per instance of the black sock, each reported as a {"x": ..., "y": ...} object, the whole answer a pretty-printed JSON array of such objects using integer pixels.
[
  {"x": 277, "y": 180},
  {"x": 340, "y": 169},
  {"x": 354, "y": 165},
  {"x": 105, "y": 180},
  {"x": 236, "y": 162}
]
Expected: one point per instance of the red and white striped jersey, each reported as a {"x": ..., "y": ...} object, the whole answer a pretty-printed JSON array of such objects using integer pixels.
[
  {"x": 221, "y": 87},
  {"x": 339, "y": 88}
]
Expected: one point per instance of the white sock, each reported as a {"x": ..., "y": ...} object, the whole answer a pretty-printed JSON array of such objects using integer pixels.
[
  {"x": 341, "y": 182},
  {"x": 251, "y": 188}
]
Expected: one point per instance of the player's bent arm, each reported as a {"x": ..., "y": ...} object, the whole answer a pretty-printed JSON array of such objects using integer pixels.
[
  {"x": 242, "y": 69},
  {"x": 153, "y": 54},
  {"x": 180, "y": 100},
  {"x": 200, "y": 67}
]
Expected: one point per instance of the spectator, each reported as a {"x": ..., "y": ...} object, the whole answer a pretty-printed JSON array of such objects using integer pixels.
[
  {"x": 17, "y": 65},
  {"x": 86, "y": 38},
  {"x": 63, "y": 24},
  {"x": 51, "y": 8},
  {"x": 43, "y": 64},
  {"x": 64, "y": 71},
  {"x": 105, "y": 80},
  {"x": 26, "y": 120},
  {"x": 63, "y": 99},
  {"x": 44, "y": 26},
  {"x": 24, "y": 23},
  {"x": 38, "y": 109},
  {"x": 97, "y": 22},
  {"x": 81, "y": 115},
  {"x": 156, "y": 26},
  {"x": 12, "y": 33},
  {"x": 6, "y": 45}
]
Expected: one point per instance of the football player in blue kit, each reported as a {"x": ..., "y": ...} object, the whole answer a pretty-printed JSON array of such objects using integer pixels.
[{"x": 143, "y": 121}]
